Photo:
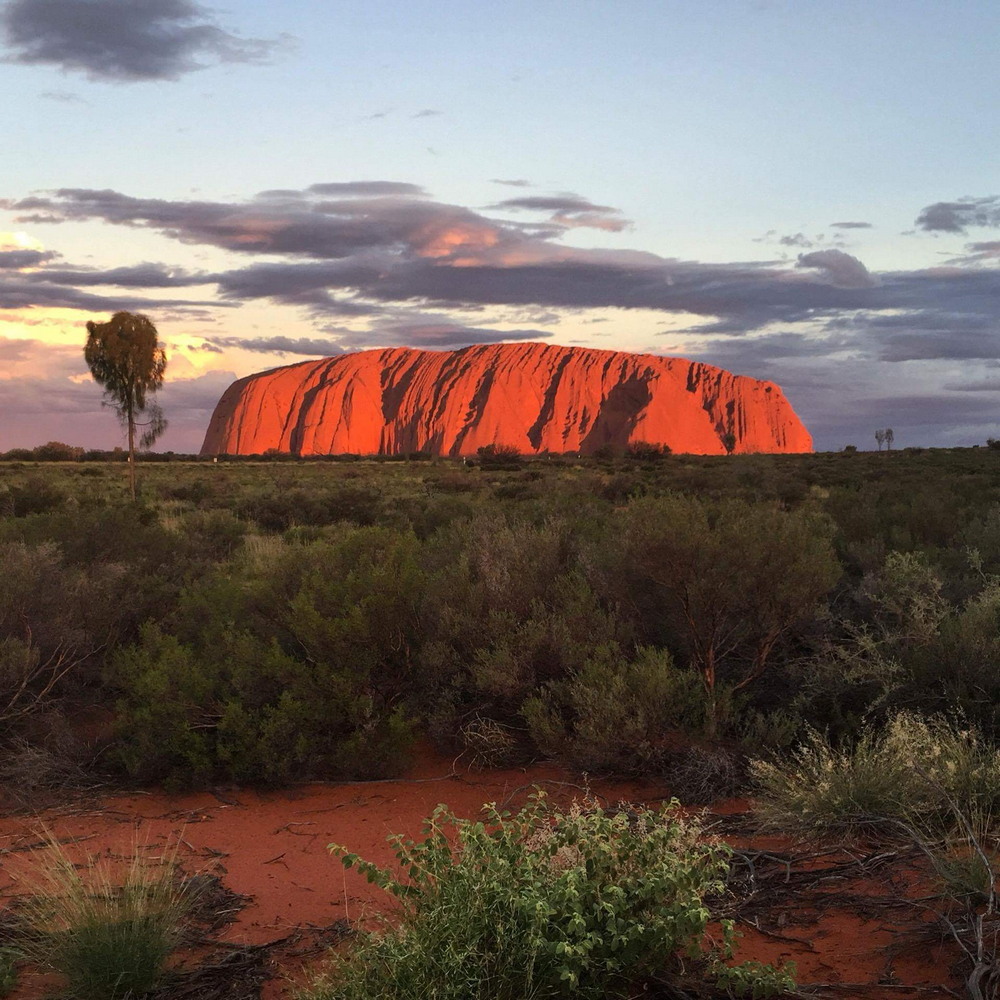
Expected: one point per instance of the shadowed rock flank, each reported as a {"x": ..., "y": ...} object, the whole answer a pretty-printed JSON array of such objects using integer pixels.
[{"x": 533, "y": 397}]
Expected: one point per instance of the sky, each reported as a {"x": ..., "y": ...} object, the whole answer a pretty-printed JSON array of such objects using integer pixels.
[{"x": 804, "y": 191}]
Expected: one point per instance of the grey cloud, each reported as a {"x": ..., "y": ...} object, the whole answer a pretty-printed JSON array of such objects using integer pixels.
[
  {"x": 920, "y": 410},
  {"x": 843, "y": 270},
  {"x": 957, "y": 216},
  {"x": 276, "y": 345},
  {"x": 62, "y": 96},
  {"x": 26, "y": 291},
  {"x": 371, "y": 253},
  {"x": 566, "y": 203},
  {"x": 513, "y": 183},
  {"x": 322, "y": 229},
  {"x": 850, "y": 225},
  {"x": 428, "y": 113},
  {"x": 17, "y": 350},
  {"x": 436, "y": 335},
  {"x": 17, "y": 259},
  {"x": 959, "y": 345},
  {"x": 980, "y": 385},
  {"x": 798, "y": 240},
  {"x": 367, "y": 189},
  {"x": 569, "y": 211},
  {"x": 145, "y": 275},
  {"x": 131, "y": 41},
  {"x": 976, "y": 252},
  {"x": 755, "y": 354}
]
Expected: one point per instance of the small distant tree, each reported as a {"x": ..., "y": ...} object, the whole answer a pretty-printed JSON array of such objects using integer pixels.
[
  {"x": 880, "y": 438},
  {"x": 889, "y": 438},
  {"x": 56, "y": 451},
  {"x": 729, "y": 442},
  {"x": 125, "y": 357}
]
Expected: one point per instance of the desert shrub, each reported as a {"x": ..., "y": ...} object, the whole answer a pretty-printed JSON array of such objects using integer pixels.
[
  {"x": 544, "y": 904},
  {"x": 299, "y": 668},
  {"x": 647, "y": 451},
  {"x": 515, "y": 491},
  {"x": 352, "y": 603},
  {"x": 912, "y": 772},
  {"x": 108, "y": 932},
  {"x": 490, "y": 743},
  {"x": 700, "y": 775},
  {"x": 36, "y": 495},
  {"x": 499, "y": 456},
  {"x": 907, "y": 605},
  {"x": 615, "y": 712},
  {"x": 8, "y": 969},
  {"x": 730, "y": 581},
  {"x": 50, "y": 623},
  {"x": 240, "y": 708},
  {"x": 507, "y": 609},
  {"x": 33, "y": 765},
  {"x": 216, "y": 534},
  {"x": 124, "y": 535},
  {"x": 439, "y": 512},
  {"x": 282, "y": 509},
  {"x": 621, "y": 487},
  {"x": 960, "y": 669}
]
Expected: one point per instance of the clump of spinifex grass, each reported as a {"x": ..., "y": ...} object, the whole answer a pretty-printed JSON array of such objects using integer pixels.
[
  {"x": 108, "y": 926},
  {"x": 913, "y": 774}
]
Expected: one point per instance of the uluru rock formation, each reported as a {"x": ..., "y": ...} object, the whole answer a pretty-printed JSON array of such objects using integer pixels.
[{"x": 532, "y": 397}]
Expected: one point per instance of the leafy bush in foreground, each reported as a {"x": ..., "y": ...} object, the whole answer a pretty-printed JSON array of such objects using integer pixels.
[{"x": 541, "y": 904}]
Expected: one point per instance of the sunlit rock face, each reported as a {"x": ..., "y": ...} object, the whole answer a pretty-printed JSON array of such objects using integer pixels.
[{"x": 533, "y": 397}]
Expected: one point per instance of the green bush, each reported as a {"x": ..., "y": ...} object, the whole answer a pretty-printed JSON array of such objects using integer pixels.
[
  {"x": 239, "y": 708},
  {"x": 8, "y": 969},
  {"x": 299, "y": 667},
  {"x": 545, "y": 904},
  {"x": 614, "y": 713},
  {"x": 507, "y": 609},
  {"x": 727, "y": 584}
]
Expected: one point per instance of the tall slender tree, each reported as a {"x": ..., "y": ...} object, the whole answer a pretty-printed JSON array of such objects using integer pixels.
[{"x": 125, "y": 357}]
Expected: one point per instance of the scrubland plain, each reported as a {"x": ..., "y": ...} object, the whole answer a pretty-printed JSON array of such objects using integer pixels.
[{"x": 807, "y": 645}]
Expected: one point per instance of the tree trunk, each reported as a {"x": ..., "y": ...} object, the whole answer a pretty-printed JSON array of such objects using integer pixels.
[
  {"x": 131, "y": 452},
  {"x": 711, "y": 706}
]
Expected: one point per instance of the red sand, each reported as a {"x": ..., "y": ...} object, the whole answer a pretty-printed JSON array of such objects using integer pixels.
[{"x": 272, "y": 846}]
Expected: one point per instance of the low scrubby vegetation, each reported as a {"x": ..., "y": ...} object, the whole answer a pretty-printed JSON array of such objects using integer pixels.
[
  {"x": 640, "y": 613},
  {"x": 821, "y": 631}
]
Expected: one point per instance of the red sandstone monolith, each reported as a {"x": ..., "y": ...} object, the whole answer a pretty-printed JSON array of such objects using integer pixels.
[{"x": 532, "y": 397}]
